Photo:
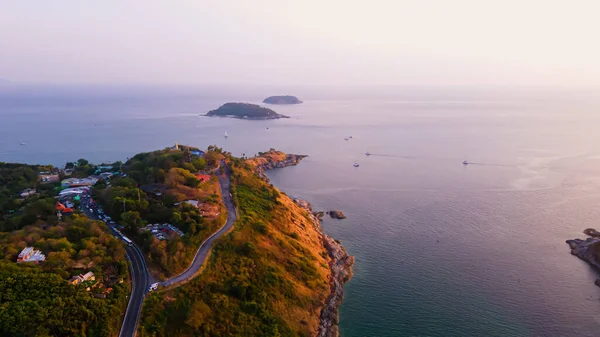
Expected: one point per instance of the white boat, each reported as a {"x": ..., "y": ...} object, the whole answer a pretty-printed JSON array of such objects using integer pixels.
[
  {"x": 23, "y": 143},
  {"x": 356, "y": 165},
  {"x": 226, "y": 135}
]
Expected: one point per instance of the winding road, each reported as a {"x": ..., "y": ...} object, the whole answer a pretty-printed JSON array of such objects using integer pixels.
[
  {"x": 140, "y": 277},
  {"x": 205, "y": 246},
  {"x": 140, "y": 280}
]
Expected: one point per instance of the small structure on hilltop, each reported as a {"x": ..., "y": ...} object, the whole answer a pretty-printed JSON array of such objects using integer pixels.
[
  {"x": 198, "y": 153},
  {"x": 28, "y": 254}
]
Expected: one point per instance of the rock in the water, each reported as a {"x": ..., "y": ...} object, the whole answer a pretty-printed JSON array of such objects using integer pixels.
[
  {"x": 319, "y": 215},
  {"x": 592, "y": 232},
  {"x": 337, "y": 215}
]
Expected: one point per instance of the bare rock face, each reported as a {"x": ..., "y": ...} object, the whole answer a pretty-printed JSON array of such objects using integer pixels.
[{"x": 336, "y": 214}]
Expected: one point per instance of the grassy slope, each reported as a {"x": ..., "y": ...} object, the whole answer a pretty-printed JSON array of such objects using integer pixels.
[{"x": 268, "y": 277}]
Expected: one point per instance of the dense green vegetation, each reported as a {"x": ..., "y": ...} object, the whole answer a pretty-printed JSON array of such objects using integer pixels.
[
  {"x": 265, "y": 278},
  {"x": 244, "y": 110},
  {"x": 37, "y": 300},
  {"x": 153, "y": 191},
  {"x": 17, "y": 212}
]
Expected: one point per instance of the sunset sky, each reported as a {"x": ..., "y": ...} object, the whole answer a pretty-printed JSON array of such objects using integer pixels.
[{"x": 422, "y": 42}]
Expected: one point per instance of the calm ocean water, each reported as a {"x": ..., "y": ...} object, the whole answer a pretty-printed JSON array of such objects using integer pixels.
[{"x": 441, "y": 249}]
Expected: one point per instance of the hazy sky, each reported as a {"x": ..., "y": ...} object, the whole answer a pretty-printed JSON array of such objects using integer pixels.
[{"x": 302, "y": 42}]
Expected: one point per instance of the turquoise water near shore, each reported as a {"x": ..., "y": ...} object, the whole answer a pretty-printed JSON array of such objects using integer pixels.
[{"x": 441, "y": 249}]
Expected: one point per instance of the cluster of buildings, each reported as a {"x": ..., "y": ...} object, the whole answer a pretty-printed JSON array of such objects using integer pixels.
[
  {"x": 28, "y": 254},
  {"x": 162, "y": 232},
  {"x": 86, "y": 182}
]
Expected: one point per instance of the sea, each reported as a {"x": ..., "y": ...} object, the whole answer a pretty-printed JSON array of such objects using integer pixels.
[{"x": 441, "y": 248}]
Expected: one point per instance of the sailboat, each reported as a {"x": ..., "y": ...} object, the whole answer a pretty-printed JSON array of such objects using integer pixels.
[
  {"x": 465, "y": 162},
  {"x": 356, "y": 165},
  {"x": 226, "y": 135}
]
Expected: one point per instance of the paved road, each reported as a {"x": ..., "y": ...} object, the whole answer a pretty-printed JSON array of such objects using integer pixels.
[
  {"x": 140, "y": 277},
  {"x": 205, "y": 246},
  {"x": 140, "y": 281}
]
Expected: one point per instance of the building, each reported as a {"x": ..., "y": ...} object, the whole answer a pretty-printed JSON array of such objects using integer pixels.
[
  {"x": 28, "y": 254},
  {"x": 75, "y": 280},
  {"x": 76, "y": 182},
  {"x": 27, "y": 192},
  {"x": 89, "y": 276},
  {"x": 198, "y": 153},
  {"x": 73, "y": 191},
  {"x": 194, "y": 203},
  {"x": 106, "y": 175}
]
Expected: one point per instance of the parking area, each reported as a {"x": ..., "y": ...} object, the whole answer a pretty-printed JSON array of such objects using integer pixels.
[{"x": 163, "y": 231}]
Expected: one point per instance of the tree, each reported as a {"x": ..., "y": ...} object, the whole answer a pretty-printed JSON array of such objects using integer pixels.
[
  {"x": 199, "y": 164},
  {"x": 82, "y": 162},
  {"x": 198, "y": 314},
  {"x": 132, "y": 221}
]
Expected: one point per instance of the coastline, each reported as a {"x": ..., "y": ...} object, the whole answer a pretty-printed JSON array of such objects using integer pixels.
[
  {"x": 341, "y": 272},
  {"x": 340, "y": 263},
  {"x": 585, "y": 250}
]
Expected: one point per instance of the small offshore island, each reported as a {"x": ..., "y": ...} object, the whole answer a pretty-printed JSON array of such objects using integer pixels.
[
  {"x": 244, "y": 111},
  {"x": 271, "y": 272},
  {"x": 286, "y": 99}
]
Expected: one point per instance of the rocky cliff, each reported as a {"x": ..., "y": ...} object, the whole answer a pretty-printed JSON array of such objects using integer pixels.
[
  {"x": 341, "y": 271},
  {"x": 587, "y": 250},
  {"x": 272, "y": 160}
]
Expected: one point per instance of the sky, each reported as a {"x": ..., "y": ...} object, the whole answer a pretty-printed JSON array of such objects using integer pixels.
[{"x": 304, "y": 42}]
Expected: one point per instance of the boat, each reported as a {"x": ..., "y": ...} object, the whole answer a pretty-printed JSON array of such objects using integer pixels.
[
  {"x": 23, "y": 143},
  {"x": 350, "y": 137},
  {"x": 346, "y": 138},
  {"x": 465, "y": 162},
  {"x": 368, "y": 153},
  {"x": 226, "y": 135},
  {"x": 356, "y": 165}
]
